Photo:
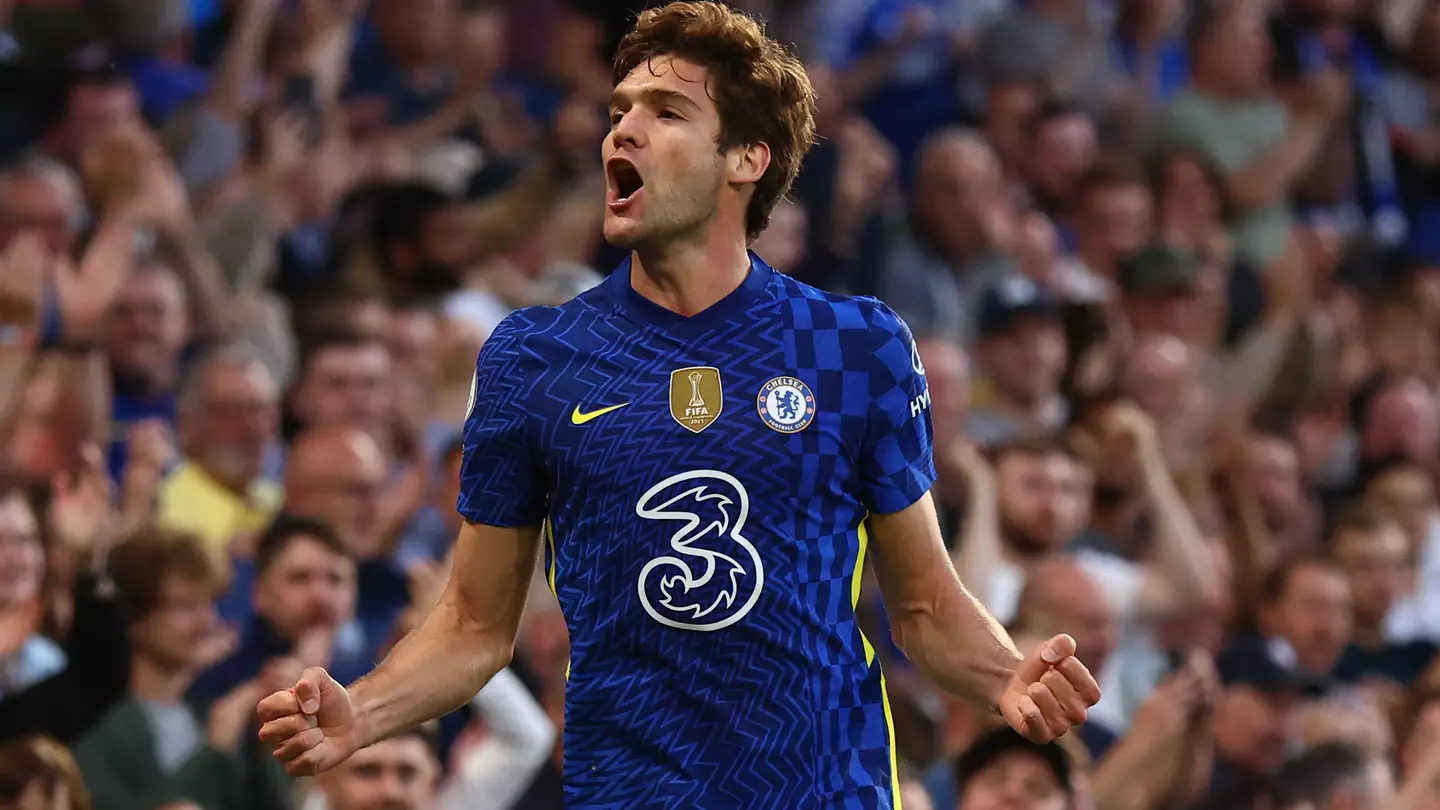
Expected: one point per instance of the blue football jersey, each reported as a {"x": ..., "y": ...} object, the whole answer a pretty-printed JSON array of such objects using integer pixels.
[{"x": 703, "y": 484}]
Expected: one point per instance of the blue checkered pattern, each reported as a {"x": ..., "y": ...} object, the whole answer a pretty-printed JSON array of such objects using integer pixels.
[{"x": 783, "y": 708}]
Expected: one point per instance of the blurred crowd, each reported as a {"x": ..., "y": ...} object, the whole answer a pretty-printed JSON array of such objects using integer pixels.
[{"x": 1174, "y": 268}]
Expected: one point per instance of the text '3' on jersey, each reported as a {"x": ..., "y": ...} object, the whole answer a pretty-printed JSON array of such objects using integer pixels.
[{"x": 702, "y": 484}]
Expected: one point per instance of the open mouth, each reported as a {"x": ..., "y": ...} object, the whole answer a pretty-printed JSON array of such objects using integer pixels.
[{"x": 625, "y": 181}]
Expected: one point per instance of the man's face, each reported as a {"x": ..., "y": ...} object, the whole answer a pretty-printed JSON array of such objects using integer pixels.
[
  {"x": 307, "y": 587},
  {"x": 412, "y": 340},
  {"x": 1253, "y": 728},
  {"x": 1064, "y": 147},
  {"x": 1040, "y": 500},
  {"x": 236, "y": 422},
  {"x": 345, "y": 492},
  {"x": 665, "y": 173},
  {"x": 395, "y": 774},
  {"x": 1239, "y": 50},
  {"x": 957, "y": 187},
  {"x": 1314, "y": 616},
  {"x": 1189, "y": 201},
  {"x": 22, "y": 558},
  {"x": 147, "y": 325},
  {"x": 1400, "y": 343},
  {"x": 1275, "y": 473},
  {"x": 1014, "y": 780},
  {"x": 35, "y": 203},
  {"x": 95, "y": 110},
  {"x": 1026, "y": 362},
  {"x": 1009, "y": 107},
  {"x": 1115, "y": 221},
  {"x": 184, "y": 618},
  {"x": 1408, "y": 496},
  {"x": 347, "y": 386},
  {"x": 1376, "y": 565}
]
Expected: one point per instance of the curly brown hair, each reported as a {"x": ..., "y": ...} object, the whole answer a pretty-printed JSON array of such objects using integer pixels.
[{"x": 759, "y": 87}]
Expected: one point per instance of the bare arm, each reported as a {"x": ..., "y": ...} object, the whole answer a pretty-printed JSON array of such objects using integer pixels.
[
  {"x": 1268, "y": 177},
  {"x": 203, "y": 279},
  {"x": 240, "y": 62},
  {"x": 977, "y": 556},
  {"x": 940, "y": 625},
  {"x": 1183, "y": 571},
  {"x": 460, "y": 645}
]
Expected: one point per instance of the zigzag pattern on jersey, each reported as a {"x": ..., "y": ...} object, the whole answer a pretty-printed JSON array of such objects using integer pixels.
[{"x": 781, "y": 710}]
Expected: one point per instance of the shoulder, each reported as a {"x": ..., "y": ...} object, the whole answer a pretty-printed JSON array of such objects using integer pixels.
[
  {"x": 813, "y": 308},
  {"x": 529, "y": 329}
]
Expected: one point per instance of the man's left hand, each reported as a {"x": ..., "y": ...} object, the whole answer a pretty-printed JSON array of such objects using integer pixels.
[{"x": 1050, "y": 693}]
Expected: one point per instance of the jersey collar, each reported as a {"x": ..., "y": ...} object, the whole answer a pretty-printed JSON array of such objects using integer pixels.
[{"x": 638, "y": 308}]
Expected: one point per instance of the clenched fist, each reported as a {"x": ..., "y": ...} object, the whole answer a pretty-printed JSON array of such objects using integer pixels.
[
  {"x": 311, "y": 727},
  {"x": 1051, "y": 693}
]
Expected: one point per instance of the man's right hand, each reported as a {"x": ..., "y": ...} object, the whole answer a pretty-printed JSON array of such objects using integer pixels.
[{"x": 311, "y": 727}]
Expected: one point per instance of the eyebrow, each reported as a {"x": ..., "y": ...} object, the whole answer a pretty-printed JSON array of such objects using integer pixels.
[{"x": 657, "y": 95}]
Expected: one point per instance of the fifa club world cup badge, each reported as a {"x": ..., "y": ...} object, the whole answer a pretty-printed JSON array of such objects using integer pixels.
[
  {"x": 696, "y": 397},
  {"x": 786, "y": 404}
]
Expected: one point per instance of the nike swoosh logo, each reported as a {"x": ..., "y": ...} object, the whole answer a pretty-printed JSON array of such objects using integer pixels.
[{"x": 578, "y": 418}]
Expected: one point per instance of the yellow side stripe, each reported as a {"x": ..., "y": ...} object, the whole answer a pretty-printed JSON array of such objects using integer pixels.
[
  {"x": 855, "y": 578},
  {"x": 863, "y": 535},
  {"x": 549, "y": 533}
]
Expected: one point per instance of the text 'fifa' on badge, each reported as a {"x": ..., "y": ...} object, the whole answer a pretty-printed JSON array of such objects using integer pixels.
[
  {"x": 786, "y": 404},
  {"x": 696, "y": 397}
]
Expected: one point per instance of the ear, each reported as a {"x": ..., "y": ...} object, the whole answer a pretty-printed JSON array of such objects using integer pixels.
[{"x": 747, "y": 164}]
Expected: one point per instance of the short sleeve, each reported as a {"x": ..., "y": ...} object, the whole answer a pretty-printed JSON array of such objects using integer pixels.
[
  {"x": 897, "y": 460},
  {"x": 501, "y": 475}
]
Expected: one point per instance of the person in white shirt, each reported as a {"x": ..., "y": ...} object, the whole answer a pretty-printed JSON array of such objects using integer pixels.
[{"x": 403, "y": 772}]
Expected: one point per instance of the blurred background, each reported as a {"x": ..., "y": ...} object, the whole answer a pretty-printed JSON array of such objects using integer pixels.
[{"x": 1174, "y": 268}]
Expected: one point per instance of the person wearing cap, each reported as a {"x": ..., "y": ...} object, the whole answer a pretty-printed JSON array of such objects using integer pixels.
[
  {"x": 1160, "y": 291},
  {"x": 1255, "y": 719},
  {"x": 1021, "y": 353},
  {"x": 1004, "y": 771}
]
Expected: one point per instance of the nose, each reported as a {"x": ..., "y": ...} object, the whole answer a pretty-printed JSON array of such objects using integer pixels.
[{"x": 627, "y": 131}]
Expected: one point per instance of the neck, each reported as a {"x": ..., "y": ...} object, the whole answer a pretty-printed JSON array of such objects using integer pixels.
[
  {"x": 689, "y": 276},
  {"x": 156, "y": 684},
  {"x": 229, "y": 482}
]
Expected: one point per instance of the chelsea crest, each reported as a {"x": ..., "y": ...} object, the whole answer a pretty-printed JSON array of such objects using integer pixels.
[{"x": 786, "y": 405}]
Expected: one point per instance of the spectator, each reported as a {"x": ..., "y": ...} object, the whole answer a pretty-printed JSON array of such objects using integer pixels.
[
  {"x": 1003, "y": 770},
  {"x": 39, "y": 772},
  {"x": 29, "y": 656},
  {"x": 1252, "y": 139},
  {"x": 960, "y": 226},
  {"x": 152, "y": 748},
  {"x": 228, "y": 414},
  {"x": 304, "y": 608},
  {"x": 1255, "y": 721},
  {"x": 1336, "y": 775},
  {"x": 1021, "y": 353}
]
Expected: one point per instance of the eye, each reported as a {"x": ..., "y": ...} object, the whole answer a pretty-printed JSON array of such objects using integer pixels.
[
  {"x": 615, "y": 118},
  {"x": 669, "y": 115}
]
